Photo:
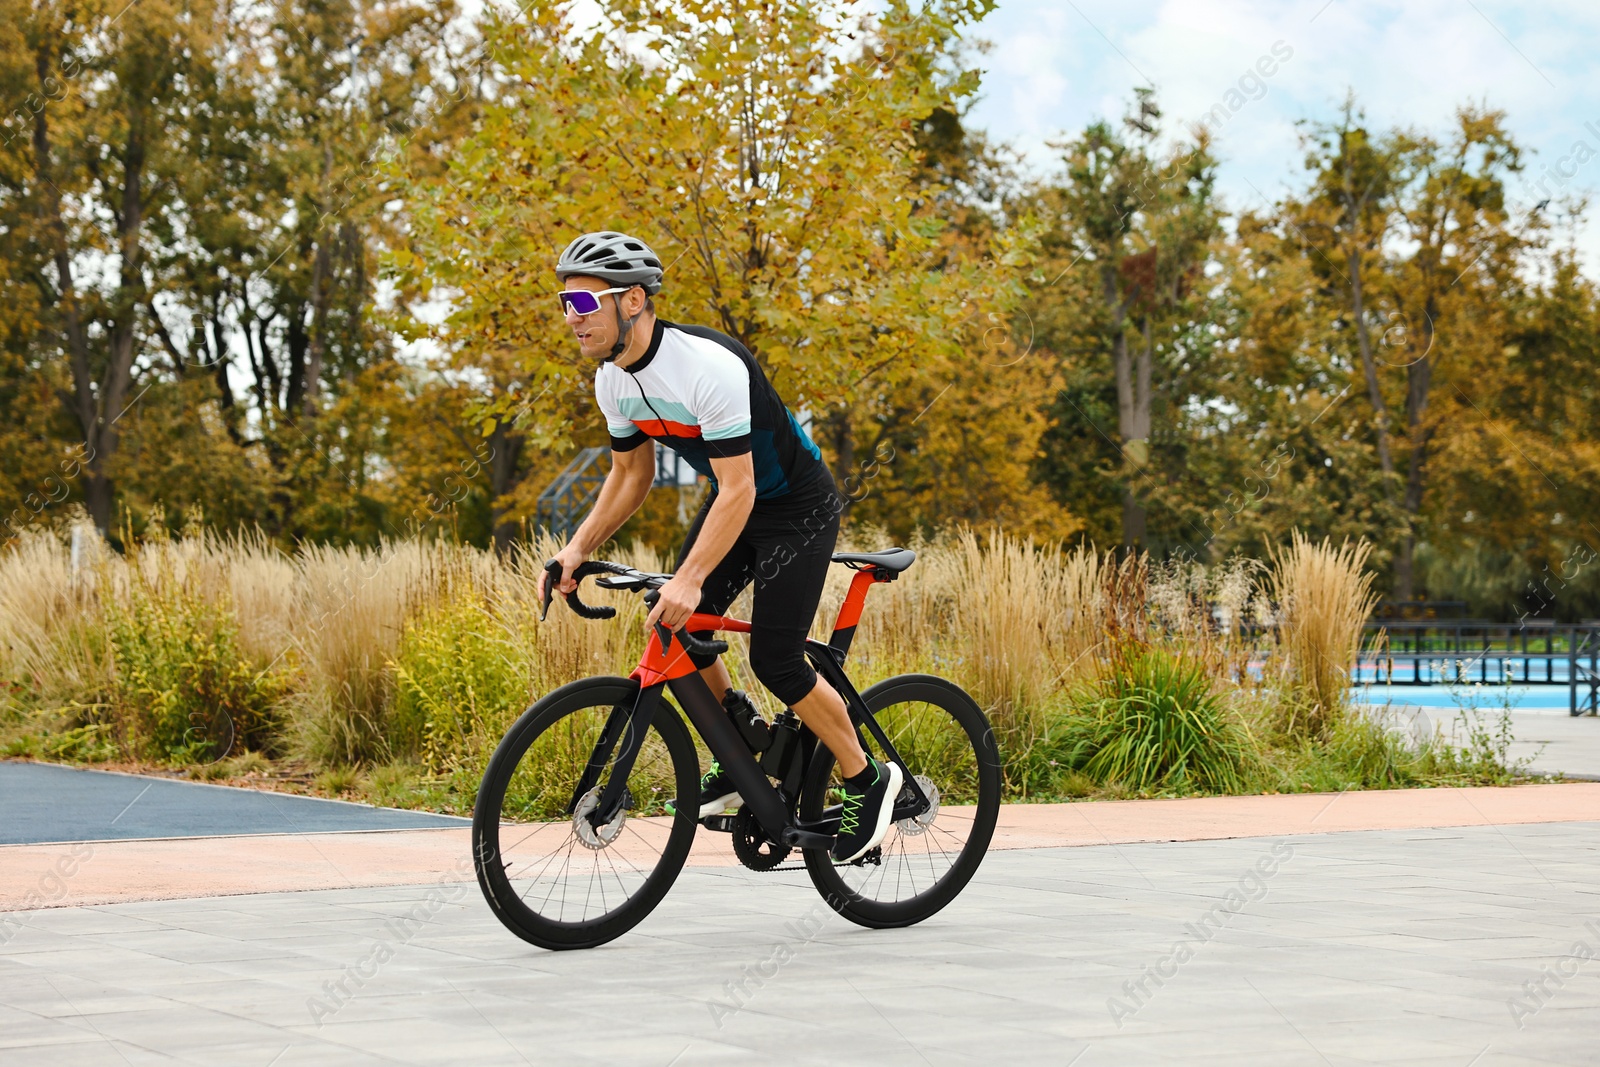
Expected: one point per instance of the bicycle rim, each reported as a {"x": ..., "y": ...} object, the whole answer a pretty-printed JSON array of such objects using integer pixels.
[
  {"x": 923, "y": 861},
  {"x": 550, "y": 875}
]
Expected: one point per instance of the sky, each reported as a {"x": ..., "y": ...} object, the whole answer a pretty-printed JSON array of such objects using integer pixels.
[{"x": 1057, "y": 65}]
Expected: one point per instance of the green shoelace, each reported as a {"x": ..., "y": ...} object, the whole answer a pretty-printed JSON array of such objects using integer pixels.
[{"x": 849, "y": 810}]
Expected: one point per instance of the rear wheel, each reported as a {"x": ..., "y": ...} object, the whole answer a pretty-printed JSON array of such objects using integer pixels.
[
  {"x": 549, "y": 874},
  {"x": 925, "y": 860}
]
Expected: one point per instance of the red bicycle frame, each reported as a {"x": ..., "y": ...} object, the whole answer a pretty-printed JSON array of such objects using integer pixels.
[{"x": 657, "y": 665}]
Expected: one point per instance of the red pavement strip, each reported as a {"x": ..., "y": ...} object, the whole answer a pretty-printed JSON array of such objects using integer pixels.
[{"x": 70, "y": 875}]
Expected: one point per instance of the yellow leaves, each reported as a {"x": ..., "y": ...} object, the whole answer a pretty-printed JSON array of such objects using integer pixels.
[{"x": 783, "y": 216}]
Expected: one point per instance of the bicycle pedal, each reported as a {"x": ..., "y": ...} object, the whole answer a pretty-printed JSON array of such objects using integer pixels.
[
  {"x": 722, "y": 824},
  {"x": 872, "y": 855}
]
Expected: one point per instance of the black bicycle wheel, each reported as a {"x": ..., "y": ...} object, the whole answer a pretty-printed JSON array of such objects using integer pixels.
[
  {"x": 551, "y": 876},
  {"x": 946, "y": 743}
]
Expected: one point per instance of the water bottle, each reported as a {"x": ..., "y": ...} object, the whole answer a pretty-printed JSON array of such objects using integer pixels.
[
  {"x": 783, "y": 746},
  {"x": 747, "y": 720}
]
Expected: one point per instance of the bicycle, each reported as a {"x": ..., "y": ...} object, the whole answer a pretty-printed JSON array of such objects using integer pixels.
[{"x": 573, "y": 839}]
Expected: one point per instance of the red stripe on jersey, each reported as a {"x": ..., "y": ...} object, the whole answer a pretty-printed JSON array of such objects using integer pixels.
[{"x": 667, "y": 428}]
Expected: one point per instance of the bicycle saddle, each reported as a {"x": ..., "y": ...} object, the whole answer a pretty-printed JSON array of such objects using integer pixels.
[{"x": 890, "y": 559}]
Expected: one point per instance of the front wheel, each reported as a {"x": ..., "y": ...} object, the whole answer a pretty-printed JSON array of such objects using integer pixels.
[
  {"x": 549, "y": 873},
  {"x": 946, "y": 743}
]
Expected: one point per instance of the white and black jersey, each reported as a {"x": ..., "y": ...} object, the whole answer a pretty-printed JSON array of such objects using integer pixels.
[{"x": 703, "y": 394}]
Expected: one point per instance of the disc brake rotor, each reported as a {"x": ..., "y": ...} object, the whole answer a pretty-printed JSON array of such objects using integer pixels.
[
  {"x": 916, "y": 824},
  {"x": 590, "y": 835}
]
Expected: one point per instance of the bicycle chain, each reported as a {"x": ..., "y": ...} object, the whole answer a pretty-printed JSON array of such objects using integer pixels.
[{"x": 858, "y": 863}]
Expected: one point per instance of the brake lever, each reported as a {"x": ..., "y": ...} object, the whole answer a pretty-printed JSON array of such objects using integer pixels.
[
  {"x": 552, "y": 570},
  {"x": 690, "y": 643},
  {"x": 662, "y": 633}
]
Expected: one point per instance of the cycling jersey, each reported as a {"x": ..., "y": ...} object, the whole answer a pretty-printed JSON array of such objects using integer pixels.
[{"x": 703, "y": 394}]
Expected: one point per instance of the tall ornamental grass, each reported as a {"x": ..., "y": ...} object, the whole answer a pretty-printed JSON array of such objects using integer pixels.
[
  {"x": 1324, "y": 596},
  {"x": 395, "y": 669}
]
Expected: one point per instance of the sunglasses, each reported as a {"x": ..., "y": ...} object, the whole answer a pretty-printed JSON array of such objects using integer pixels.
[{"x": 584, "y": 302}]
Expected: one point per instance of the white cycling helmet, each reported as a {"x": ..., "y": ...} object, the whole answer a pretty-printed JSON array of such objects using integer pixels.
[{"x": 613, "y": 257}]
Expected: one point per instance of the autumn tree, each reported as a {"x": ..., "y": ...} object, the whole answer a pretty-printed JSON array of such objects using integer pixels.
[
  {"x": 768, "y": 153},
  {"x": 1415, "y": 236},
  {"x": 179, "y": 243},
  {"x": 1128, "y": 230}
]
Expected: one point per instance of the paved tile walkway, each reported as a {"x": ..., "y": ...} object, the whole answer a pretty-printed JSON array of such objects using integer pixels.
[{"x": 1464, "y": 947}]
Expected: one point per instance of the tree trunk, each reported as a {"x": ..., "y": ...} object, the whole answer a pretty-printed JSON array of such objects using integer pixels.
[
  {"x": 1380, "y": 412},
  {"x": 1419, "y": 379},
  {"x": 295, "y": 336},
  {"x": 96, "y": 491},
  {"x": 506, "y": 449},
  {"x": 96, "y": 406},
  {"x": 321, "y": 267},
  {"x": 118, "y": 379},
  {"x": 220, "y": 361},
  {"x": 842, "y": 437},
  {"x": 1134, "y": 372},
  {"x": 319, "y": 326}
]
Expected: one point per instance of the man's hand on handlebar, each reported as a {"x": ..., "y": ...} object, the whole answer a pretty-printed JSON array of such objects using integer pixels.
[
  {"x": 569, "y": 558},
  {"x": 678, "y": 600}
]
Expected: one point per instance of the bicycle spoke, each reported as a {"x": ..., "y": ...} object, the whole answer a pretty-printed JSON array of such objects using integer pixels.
[{"x": 539, "y": 843}]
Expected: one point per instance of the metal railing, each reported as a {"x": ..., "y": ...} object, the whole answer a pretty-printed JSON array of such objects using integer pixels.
[
  {"x": 1463, "y": 651},
  {"x": 567, "y": 499}
]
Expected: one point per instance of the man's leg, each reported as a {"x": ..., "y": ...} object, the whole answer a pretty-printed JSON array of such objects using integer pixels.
[
  {"x": 823, "y": 710},
  {"x": 786, "y": 598},
  {"x": 792, "y": 560}
]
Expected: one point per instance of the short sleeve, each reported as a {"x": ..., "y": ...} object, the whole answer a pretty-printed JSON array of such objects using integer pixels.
[{"x": 722, "y": 406}]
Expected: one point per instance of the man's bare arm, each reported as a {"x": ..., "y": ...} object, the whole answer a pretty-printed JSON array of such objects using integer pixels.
[
  {"x": 736, "y": 495},
  {"x": 626, "y": 485},
  {"x": 624, "y": 490}
]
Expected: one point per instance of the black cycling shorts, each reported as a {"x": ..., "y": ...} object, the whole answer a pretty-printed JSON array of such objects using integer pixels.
[{"x": 784, "y": 550}]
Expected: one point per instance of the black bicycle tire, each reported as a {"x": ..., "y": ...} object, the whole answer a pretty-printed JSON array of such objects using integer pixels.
[
  {"x": 501, "y": 895},
  {"x": 819, "y": 864}
]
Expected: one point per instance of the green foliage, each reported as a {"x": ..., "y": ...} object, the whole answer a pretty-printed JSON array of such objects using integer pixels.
[
  {"x": 337, "y": 780},
  {"x": 184, "y": 692},
  {"x": 50, "y": 736},
  {"x": 1152, "y": 722},
  {"x": 459, "y": 685}
]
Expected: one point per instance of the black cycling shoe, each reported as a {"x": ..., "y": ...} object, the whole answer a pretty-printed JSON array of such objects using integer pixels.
[
  {"x": 866, "y": 810},
  {"x": 717, "y": 793}
]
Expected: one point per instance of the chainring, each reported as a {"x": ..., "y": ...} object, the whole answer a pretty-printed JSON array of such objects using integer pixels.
[{"x": 751, "y": 845}]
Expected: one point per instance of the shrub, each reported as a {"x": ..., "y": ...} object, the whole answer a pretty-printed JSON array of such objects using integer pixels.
[
  {"x": 182, "y": 691},
  {"x": 458, "y": 684},
  {"x": 1152, "y": 722}
]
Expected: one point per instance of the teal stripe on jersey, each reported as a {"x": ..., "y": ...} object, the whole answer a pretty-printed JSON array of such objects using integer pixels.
[
  {"x": 636, "y": 407},
  {"x": 805, "y": 438},
  {"x": 738, "y": 430}
]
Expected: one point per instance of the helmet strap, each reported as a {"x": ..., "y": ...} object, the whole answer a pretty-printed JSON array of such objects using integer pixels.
[{"x": 624, "y": 329}]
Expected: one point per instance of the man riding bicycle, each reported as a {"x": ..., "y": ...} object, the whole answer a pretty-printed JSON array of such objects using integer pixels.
[{"x": 772, "y": 515}]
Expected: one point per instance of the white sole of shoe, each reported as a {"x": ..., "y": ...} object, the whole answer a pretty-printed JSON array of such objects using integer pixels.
[
  {"x": 885, "y": 814},
  {"x": 721, "y": 804}
]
